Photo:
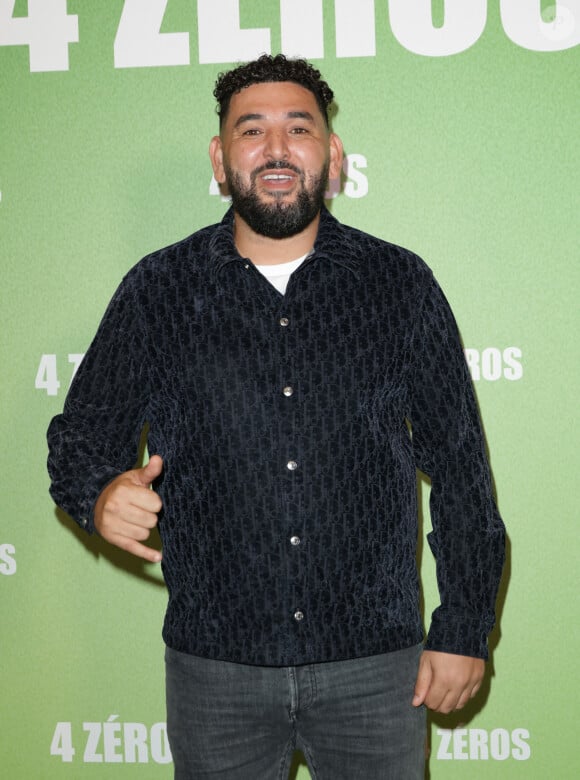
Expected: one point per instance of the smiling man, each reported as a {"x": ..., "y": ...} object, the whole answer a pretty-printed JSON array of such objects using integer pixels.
[
  {"x": 276, "y": 153},
  {"x": 294, "y": 373}
]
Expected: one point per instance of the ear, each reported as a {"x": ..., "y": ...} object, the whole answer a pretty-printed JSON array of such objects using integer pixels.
[
  {"x": 216, "y": 156},
  {"x": 336, "y": 156}
]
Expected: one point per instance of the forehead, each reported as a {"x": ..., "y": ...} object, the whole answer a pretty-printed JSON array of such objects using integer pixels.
[{"x": 273, "y": 99}]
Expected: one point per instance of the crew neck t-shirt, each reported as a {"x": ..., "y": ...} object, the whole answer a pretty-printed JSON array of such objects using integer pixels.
[{"x": 279, "y": 273}]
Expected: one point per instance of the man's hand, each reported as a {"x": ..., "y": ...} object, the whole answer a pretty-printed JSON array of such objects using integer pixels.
[
  {"x": 126, "y": 510},
  {"x": 446, "y": 682}
]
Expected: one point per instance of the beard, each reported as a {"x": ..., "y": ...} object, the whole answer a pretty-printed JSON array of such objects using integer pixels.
[{"x": 277, "y": 218}]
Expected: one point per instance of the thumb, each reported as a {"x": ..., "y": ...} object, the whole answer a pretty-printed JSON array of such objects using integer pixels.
[
  {"x": 150, "y": 471},
  {"x": 423, "y": 681}
]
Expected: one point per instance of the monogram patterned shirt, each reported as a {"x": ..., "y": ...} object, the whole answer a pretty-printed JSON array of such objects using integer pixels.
[{"x": 291, "y": 427}]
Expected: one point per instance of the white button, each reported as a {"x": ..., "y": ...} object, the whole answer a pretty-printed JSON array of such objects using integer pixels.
[
  {"x": 292, "y": 465},
  {"x": 284, "y": 322},
  {"x": 298, "y": 615},
  {"x": 288, "y": 391},
  {"x": 295, "y": 540}
]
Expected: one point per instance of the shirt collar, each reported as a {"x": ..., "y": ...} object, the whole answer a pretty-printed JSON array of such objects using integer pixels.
[{"x": 332, "y": 243}]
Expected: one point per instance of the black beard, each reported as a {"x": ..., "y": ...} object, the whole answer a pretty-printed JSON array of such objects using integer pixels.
[{"x": 277, "y": 219}]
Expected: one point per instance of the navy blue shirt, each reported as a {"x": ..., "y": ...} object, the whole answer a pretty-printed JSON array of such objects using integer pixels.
[{"x": 291, "y": 428}]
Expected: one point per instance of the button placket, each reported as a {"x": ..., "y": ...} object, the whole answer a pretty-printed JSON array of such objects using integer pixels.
[
  {"x": 288, "y": 392},
  {"x": 293, "y": 466}
]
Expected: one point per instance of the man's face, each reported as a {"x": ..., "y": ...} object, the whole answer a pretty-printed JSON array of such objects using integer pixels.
[{"x": 276, "y": 155}]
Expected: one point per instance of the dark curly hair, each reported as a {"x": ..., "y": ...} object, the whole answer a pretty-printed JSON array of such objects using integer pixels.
[{"x": 268, "y": 68}]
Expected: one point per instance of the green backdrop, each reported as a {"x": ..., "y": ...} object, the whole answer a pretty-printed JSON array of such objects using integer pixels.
[{"x": 460, "y": 121}]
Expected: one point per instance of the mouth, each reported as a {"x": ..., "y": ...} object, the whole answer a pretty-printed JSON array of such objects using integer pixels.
[
  {"x": 279, "y": 182},
  {"x": 277, "y": 177}
]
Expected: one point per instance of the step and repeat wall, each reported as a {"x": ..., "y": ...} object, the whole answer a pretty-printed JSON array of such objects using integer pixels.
[{"x": 460, "y": 124}]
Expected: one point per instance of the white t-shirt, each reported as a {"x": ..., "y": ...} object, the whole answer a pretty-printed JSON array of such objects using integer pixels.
[{"x": 279, "y": 274}]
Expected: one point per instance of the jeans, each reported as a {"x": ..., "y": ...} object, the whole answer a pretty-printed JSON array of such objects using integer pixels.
[{"x": 353, "y": 720}]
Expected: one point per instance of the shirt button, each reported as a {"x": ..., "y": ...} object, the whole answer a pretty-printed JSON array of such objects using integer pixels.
[
  {"x": 284, "y": 322},
  {"x": 288, "y": 391},
  {"x": 295, "y": 541},
  {"x": 298, "y": 616},
  {"x": 292, "y": 465}
]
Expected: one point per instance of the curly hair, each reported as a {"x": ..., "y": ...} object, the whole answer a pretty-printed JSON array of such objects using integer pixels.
[{"x": 269, "y": 68}]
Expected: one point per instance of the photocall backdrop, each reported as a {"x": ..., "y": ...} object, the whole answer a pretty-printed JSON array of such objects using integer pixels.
[{"x": 460, "y": 123}]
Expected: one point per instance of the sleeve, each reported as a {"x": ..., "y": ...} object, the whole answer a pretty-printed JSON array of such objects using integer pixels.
[
  {"x": 468, "y": 536},
  {"x": 96, "y": 438}
]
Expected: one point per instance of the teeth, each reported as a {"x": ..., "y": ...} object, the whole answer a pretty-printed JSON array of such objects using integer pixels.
[{"x": 277, "y": 177}]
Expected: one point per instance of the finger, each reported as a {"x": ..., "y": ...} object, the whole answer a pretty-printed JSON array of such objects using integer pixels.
[
  {"x": 463, "y": 699},
  {"x": 136, "y": 516},
  {"x": 142, "y": 551},
  {"x": 122, "y": 533},
  {"x": 128, "y": 494},
  {"x": 447, "y": 705},
  {"x": 456, "y": 698},
  {"x": 136, "y": 548},
  {"x": 423, "y": 682},
  {"x": 436, "y": 698},
  {"x": 150, "y": 471},
  {"x": 145, "y": 500},
  {"x": 130, "y": 530}
]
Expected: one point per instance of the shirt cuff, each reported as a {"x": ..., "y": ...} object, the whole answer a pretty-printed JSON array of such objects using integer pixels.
[{"x": 458, "y": 634}]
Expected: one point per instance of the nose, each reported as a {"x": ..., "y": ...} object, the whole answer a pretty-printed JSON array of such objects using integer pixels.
[{"x": 276, "y": 147}]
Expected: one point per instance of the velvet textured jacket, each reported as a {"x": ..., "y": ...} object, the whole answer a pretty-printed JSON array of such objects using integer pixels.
[{"x": 291, "y": 427}]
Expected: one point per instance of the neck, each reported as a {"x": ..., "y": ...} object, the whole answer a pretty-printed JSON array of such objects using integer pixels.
[{"x": 268, "y": 251}]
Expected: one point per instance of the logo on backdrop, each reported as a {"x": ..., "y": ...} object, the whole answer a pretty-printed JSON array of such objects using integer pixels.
[
  {"x": 49, "y": 29},
  {"x": 490, "y": 364},
  {"x": 7, "y": 559},
  {"x": 115, "y": 742},
  {"x": 49, "y": 371},
  {"x": 111, "y": 742},
  {"x": 482, "y": 745},
  {"x": 493, "y": 363}
]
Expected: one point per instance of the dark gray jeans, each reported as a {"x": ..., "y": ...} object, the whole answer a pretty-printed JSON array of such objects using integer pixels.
[{"x": 353, "y": 720}]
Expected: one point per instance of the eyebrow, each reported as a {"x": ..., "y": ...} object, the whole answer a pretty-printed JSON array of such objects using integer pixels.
[{"x": 290, "y": 115}]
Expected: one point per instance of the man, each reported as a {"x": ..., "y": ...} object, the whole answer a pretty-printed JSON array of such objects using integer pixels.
[{"x": 294, "y": 372}]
